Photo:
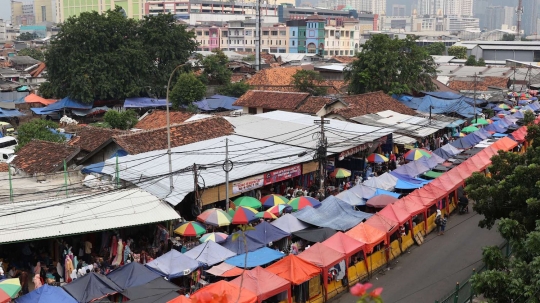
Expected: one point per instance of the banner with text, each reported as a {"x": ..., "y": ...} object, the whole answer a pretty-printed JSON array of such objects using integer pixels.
[
  {"x": 283, "y": 174},
  {"x": 248, "y": 184}
]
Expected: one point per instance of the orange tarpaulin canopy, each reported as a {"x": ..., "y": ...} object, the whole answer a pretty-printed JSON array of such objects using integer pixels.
[
  {"x": 294, "y": 269},
  {"x": 410, "y": 206},
  {"x": 33, "y": 98},
  {"x": 519, "y": 135},
  {"x": 230, "y": 290},
  {"x": 263, "y": 283},
  {"x": 423, "y": 197},
  {"x": 344, "y": 244},
  {"x": 506, "y": 143},
  {"x": 367, "y": 234},
  {"x": 395, "y": 213},
  {"x": 383, "y": 223},
  {"x": 180, "y": 299},
  {"x": 321, "y": 255},
  {"x": 446, "y": 182}
]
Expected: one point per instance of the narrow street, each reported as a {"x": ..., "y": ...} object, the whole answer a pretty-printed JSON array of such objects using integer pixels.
[{"x": 430, "y": 271}]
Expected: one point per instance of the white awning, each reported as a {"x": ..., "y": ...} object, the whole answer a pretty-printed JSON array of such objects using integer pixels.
[{"x": 23, "y": 221}]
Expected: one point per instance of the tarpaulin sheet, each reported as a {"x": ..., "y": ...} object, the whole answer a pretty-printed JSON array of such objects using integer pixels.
[
  {"x": 90, "y": 287},
  {"x": 10, "y": 113},
  {"x": 225, "y": 270},
  {"x": 406, "y": 185},
  {"x": 433, "y": 161},
  {"x": 259, "y": 257},
  {"x": 363, "y": 191},
  {"x": 131, "y": 275},
  {"x": 92, "y": 111},
  {"x": 33, "y": 98},
  {"x": 413, "y": 168},
  {"x": 173, "y": 265},
  {"x": 385, "y": 181},
  {"x": 383, "y": 223},
  {"x": 289, "y": 223},
  {"x": 444, "y": 95},
  {"x": 322, "y": 256},
  {"x": 217, "y": 102},
  {"x": 263, "y": 283},
  {"x": 46, "y": 294},
  {"x": 144, "y": 102},
  {"x": 333, "y": 213},
  {"x": 386, "y": 192},
  {"x": 405, "y": 178},
  {"x": 344, "y": 244},
  {"x": 410, "y": 206},
  {"x": 520, "y": 134},
  {"x": 60, "y": 105},
  {"x": 210, "y": 253},
  {"x": 294, "y": 269},
  {"x": 315, "y": 234},
  {"x": 395, "y": 213},
  {"x": 447, "y": 151},
  {"x": 238, "y": 246},
  {"x": 152, "y": 291},
  {"x": 266, "y": 233},
  {"x": 231, "y": 292},
  {"x": 367, "y": 234},
  {"x": 351, "y": 198},
  {"x": 427, "y": 104},
  {"x": 380, "y": 201}
]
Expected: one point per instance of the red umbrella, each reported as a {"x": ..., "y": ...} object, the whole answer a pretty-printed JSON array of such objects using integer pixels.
[{"x": 244, "y": 215}]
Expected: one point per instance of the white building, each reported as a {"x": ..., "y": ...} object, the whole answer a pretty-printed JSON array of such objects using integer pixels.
[
  {"x": 456, "y": 24},
  {"x": 375, "y": 6},
  {"x": 3, "y": 35}
]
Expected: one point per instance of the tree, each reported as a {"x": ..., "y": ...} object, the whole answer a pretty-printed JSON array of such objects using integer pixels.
[
  {"x": 32, "y": 52},
  {"x": 309, "y": 81},
  {"x": 215, "y": 70},
  {"x": 471, "y": 61},
  {"x": 45, "y": 90},
  {"x": 121, "y": 120},
  {"x": 508, "y": 37},
  {"x": 27, "y": 37},
  {"x": 394, "y": 66},
  {"x": 38, "y": 129},
  {"x": 460, "y": 52},
  {"x": 187, "y": 90},
  {"x": 234, "y": 89},
  {"x": 481, "y": 62},
  {"x": 436, "y": 49}
]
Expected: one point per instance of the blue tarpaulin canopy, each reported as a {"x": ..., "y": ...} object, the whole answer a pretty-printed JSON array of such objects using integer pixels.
[
  {"x": 259, "y": 257},
  {"x": 173, "y": 264},
  {"x": 66, "y": 103},
  {"x": 426, "y": 104},
  {"x": 385, "y": 192},
  {"x": 406, "y": 185},
  {"x": 98, "y": 167},
  {"x": 333, "y": 213},
  {"x": 210, "y": 253},
  {"x": 217, "y": 102},
  {"x": 446, "y": 151},
  {"x": 444, "y": 95},
  {"x": 67, "y": 136},
  {"x": 131, "y": 275},
  {"x": 238, "y": 246},
  {"x": 363, "y": 191},
  {"x": 47, "y": 294},
  {"x": 413, "y": 168},
  {"x": 405, "y": 178},
  {"x": 266, "y": 233},
  {"x": 289, "y": 223},
  {"x": 351, "y": 198},
  {"x": 91, "y": 287},
  {"x": 141, "y": 102},
  {"x": 10, "y": 113}
]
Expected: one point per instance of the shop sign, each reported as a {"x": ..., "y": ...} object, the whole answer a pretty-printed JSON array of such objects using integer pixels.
[
  {"x": 330, "y": 164},
  {"x": 248, "y": 184},
  {"x": 283, "y": 174}
]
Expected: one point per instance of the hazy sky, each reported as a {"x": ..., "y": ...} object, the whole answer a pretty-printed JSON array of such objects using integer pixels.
[{"x": 5, "y": 9}]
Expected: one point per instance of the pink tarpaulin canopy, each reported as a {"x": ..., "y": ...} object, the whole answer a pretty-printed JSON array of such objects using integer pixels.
[{"x": 263, "y": 283}]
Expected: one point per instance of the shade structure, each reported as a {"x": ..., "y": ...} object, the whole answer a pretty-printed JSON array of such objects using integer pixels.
[
  {"x": 351, "y": 198},
  {"x": 173, "y": 265},
  {"x": 215, "y": 217},
  {"x": 395, "y": 213},
  {"x": 248, "y": 202},
  {"x": 363, "y": 191},
  {"x": 259, "y": 257},
  {"x": 45, "y": 294},
  {"x": 225, "y": 270},
  {"x": 469, "y": 129},
  {"x": 227, "y": 289},
  {"x": 11, "y": 287},
  {"x": 340, "y": 173},
  {"x": 294, "y": 269},
  {"x": 376, "y": 158},
  {"x": 215, "y": 236},
  {"x": 237, "y": 245},
  {"x": 380, "y": 201},
  {"x": 480, "y": 121},
  {"x": 289, "y": 223},
  {"x": 244, "y": 215},
  {"x": 344, "y": 244},
  {"x": 323, "y": 257},
  {"x": 180, "y": 299},
  {"x": 367, "y": 234},
  {"x": 190, "y": 229},
  {"x": 266, "y": 233},
  {"x": 383, "y": 223},
  {"x": 156, "y": 291},
  {"x": 266, "y": 215},
  {"x": 379, "y": 192},
  {"x": 5, "y": 298},
  {"x": 209, "y": 253},
  {"x": 315, "y": 234},
  {"x": 272, "y": 200},
  {"x": 385, "y": 181},
  {"x": 280, "y": 209},
  {"x": 301, "y": 202},
  {"x": 416, "y": 153},
  {"x": 131, "y": 275},
  {"x": 263, "y": 283},
  {"x": 91, "y": 287},
  {"x": 503, "y": 106}
]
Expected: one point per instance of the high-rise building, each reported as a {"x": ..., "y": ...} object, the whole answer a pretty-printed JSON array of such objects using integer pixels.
[
  {"x": 529, "y": 19},
  {"x": 424, "y": 7},
  {"x": 452, "y": 8},
  {"x": 509, "y": 13},
  {"x": 398, "y": 10},
  {"x": 16, "y": 11},
  {"x": 45, "y": 10},
  {"x": 3, "y": 36},
  {"x": 67, "y": 8},
  {"x": 374, "y": 6},
  {"x": 494, "y": 17}
]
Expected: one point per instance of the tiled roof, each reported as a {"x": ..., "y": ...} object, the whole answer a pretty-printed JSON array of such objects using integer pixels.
[
  {"x": 89, "y": 138},
  {"x": 441, "y": 87},
  {"x": 482, "y": 83},
  {"x": 370, "y": 103},
  {"x": 43, "y": 157},
  {"x": 313, "y": 105},
  {"x": 271, "y": 100},
  {"x": 158, "y": 118},
  {"x": 181, "y": 134},
  {"x": 344, "y": 59},
  {"x": 237, "y": 77},
  {"x": 274, "y": 76}
]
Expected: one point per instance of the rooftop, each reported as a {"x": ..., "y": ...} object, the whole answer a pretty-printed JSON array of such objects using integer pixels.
[
  {"x": 313, "y": 105},
  {"x": 274, "y": 76},
  {"x": 272, "y": 99},
  {"x": 23, "y": 60},
  {"x": 158, "y": 118},
  {"x": 359, "y": 105},
  {"x": 43, "y": 157},
  {"x": 482, "y": 84},
  {"x": 89, "y": 138}
]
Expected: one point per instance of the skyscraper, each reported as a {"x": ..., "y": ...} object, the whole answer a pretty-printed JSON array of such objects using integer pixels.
[
  {"x": 494, "y": 17},
  {"x": 398, "y": 10},
  {"x": 529, "y": 19}
]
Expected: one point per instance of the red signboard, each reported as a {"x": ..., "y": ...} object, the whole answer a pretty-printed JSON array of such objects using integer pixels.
[{"x": 283, "y": 174}]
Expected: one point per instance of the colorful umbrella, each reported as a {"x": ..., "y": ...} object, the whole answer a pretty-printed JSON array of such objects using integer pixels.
[
  {"x": 231, "y": 212},
  {"x": 377, "y": 158},
  {"x": 216, "y": 237},
  {"x": 339, "y": 173},
  {"x": 248, "y": 202},
  {"x": 513, "y": 110},
  {"x": 215, "y": 217},
  {"x": 480, "y": 121},
  {"x": 4, "y": 298},
  {"x": 273, "y": 200},
  {"x": 244, "y": 215},
  {"x": 301, "y": 202},
  {"x": 279, "y": 209},
  {"x": 462, "y": 134},
  {"x": 469, "y": 129},
  {"x": 503, "y": 106},
  {"x": 416, "y": 153},
  {"x": 266, "y": 215},
  {"x": 11, "y": 287},
  {"x": 190, "y": 229}
]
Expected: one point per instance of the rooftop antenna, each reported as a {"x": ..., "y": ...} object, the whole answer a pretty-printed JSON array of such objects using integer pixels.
[{"x": 519, "y": 13}]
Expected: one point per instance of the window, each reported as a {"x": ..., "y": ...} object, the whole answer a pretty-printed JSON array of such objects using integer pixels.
[
  {"x": 346, "y": 33},
  {"x": 271, "y": 42},
  {"x": 252, "y": 110},
  {"x": 293, "y": 33},
  {"x": 206, "y": 33},
  {"x": 236, "y": 33},
  {"x": 43, "y": 13},
  {"x": 262, "y": 42},
  {"x": 312, "y": 48},
  {"x": 279, "y": 42},
  {"x": 199, "y": 33},
  {"x": 331, "y": 52},
  {"x": 331, "y": 33},
  {"x": 265, "y": 33},
  {"x": 293, "y": 43},
  {"x": 274, "y": 33},
  {"x": 225, "y": 33},
  {"x": 282, "y": 33}
]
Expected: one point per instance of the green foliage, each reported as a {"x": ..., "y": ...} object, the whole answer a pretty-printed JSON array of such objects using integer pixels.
[
  {"x": 471, "y": 61},
  {"x": 249, "y": 58},
  {"x": 121, "y": 120},
  {"x": 35, "y": 53},
  {"x": 459, "y": 52},
  {"x": 45, "y": 90},
  {"x": 309, "y": 81},
  {"x": 234, "y": 89},
  {"x": 481, "y": 62},
  {"x": 187, "y": 90},
  {"x": 394, "y": 66},
  {"x": 27, "y": 37},
  {"x": 508, "y": 37},
  {"x": 436, "y": 49},
  {"x": 108, "y": 56},
  {"x": 37, "y": 129},
  {"x": 528, "y": 117},
  {"x": 215, "y": 70},
  {"x": 101, "y": 124}
]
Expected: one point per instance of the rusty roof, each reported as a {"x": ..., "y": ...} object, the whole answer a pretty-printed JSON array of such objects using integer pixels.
[
  {"x": 38, "y": 70},
  {"x": 271, "y": 99},
  {"x": 89, "y": 138},
  {"x": 374, "y": 102},
  {"x": 274, "y": 76},
  {"x": 43, "y": 157},
  {"x": 482, "y": 84},
  {"x": 158, "y": 118},
  {"x": 441, "y": 87},
  {"x": 313, "y": 105},
  {"x": 344, "y": 59},
  {"x": 181, "y": 134}
]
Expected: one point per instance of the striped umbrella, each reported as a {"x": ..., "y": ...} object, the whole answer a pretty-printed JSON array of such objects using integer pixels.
[
  {"x": 248, "y": 202},
  {"x": 190, "y": 229},
  {"x": 215, "y": 236},
  {"x": 231, "y": 212},
  {"x": 340, "y": 173},
  {"x": 376, "y": 158},
  {"x": 244, "y": 215},
  {"x": 4, "y": 297},
  {"x": 11, "y": 287},
  {"x": 301, "y": 202},
  {"x": 416, "y": 153},
  {"x": 215, "y": 217},
  {"x": 279, "y": 209},
  {"x": 273, "y": 200},
  {"x": 266, "y": 215},
  {"x": 503, "y": 106}
]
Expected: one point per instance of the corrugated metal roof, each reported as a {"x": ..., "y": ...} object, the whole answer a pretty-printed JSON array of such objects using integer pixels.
[
  {"x": 509, "y": 47},
  {"x": 23, "y": 221},
  {"x": 401, "y": 139}
]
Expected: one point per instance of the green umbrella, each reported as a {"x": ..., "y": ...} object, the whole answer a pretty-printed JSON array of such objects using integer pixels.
[
  {"x": 11, "y": 287},
  {"x": 469, "y": 129},
  {"x": 480, "y": 121},
  {"x": 231, "y": 212},
  {"x": 248, "y": 202}
]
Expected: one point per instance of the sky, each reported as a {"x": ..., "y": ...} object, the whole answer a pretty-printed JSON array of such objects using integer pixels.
[{"x": 5, "y": 8}]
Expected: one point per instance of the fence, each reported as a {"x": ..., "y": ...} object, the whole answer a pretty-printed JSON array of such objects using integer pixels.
[{"x": 463, "y": 292}]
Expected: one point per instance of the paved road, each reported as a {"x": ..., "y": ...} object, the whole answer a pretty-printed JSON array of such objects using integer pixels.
[{"x": 430, "y": 271}]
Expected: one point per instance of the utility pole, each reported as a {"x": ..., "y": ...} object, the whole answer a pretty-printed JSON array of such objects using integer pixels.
[
  {"x": 227, "y": 167},
  {"x": 519, "y": 13},
  {"x": 196, "y": 186},
  {"x": 257, "y": 37},
  {"x": 321, "y": 152},
  {"x": 474, "y": 99}
]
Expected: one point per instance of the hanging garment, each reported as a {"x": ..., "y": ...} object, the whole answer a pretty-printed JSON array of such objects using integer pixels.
[
  {"x": 341, "y": 270},
  {"x": 37, "y": 281},
  {"x": 69, "y": 268},
  {"x": 114, "y": 247},
  {"x": 127, "y": 251},
  {"x": 119, "y": 254}
]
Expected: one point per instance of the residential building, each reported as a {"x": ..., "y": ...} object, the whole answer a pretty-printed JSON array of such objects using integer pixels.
[
  {"x": 289, "y": 12},
  {"x": 342, "y": 38},
  {"x": 297, "y": 36},
  {"x": 456, "y": 24},
  {"x": 258, "y": 102},
  {"x": 315, "y": 34},
  {"x": 3, "y": 31},
  {"x": 376, "y": 7},
  {"x": 16, "y": 11},
  {"x": 45, "y": 10},
  {"x": 22, "y": 13},
  {"x": 273, "y": 38},
  {"x": 67, "y": 8},
  {"x": 467, "y": 8},
  {"x": 495, "y": 17},
  {"x": 27, "y": 9},
  {"x": 529, "y": 23},
  {"x": 398, "y": 10}
]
